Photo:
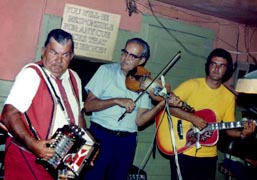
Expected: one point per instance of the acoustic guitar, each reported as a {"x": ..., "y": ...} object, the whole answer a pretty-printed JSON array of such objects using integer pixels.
[{"x": 186, "y": 134}]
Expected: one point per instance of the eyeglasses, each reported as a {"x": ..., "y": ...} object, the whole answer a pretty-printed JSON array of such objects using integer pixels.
[{"x": 124, "y": 52}]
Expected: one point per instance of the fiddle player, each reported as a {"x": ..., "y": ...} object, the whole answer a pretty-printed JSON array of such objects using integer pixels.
[
  {"x": 108, "y": 98},
  {"x": 207, "y": 93},
  {"x": 32, "y": 112}
]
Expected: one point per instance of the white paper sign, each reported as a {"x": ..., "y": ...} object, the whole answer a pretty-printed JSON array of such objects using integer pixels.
[{"x": 94, "y": 32}]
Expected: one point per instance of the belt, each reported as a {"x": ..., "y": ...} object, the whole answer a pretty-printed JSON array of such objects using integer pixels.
[{"x": 113, "y": 132}]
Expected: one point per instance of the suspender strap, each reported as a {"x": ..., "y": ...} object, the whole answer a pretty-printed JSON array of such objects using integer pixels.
[
  {"x": 38, "y": 67},
  {"x": 32, "y": 129}
]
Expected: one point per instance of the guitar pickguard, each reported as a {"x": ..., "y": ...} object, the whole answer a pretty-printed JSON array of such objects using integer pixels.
[{"x": 204, "y": 137}]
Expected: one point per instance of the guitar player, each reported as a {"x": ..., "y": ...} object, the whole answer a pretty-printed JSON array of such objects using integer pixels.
[{"x": 199, "y": 163}]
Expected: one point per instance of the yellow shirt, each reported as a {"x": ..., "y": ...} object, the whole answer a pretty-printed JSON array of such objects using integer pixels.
[{"x": 199, "y": 95}]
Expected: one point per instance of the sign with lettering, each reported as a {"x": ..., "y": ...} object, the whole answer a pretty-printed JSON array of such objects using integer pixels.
[{"x": 94, "y": 32}]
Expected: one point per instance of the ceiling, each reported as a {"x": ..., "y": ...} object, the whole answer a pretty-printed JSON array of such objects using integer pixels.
[{"x": 240, "y": 11}]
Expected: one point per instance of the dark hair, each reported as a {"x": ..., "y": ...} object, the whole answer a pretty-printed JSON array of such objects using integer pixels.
[
  {"x": 224, "y": 54},
  {"x": 60, "y": 36},
  {"x": 146, "y": 48}
]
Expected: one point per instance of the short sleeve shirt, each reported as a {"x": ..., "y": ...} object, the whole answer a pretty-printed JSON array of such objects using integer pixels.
[
  {"x": 200, "y": 96},
  {"x": 109, "y": 82}
]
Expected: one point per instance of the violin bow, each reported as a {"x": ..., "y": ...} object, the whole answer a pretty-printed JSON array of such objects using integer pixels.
[{"x": 163, "y": 71}]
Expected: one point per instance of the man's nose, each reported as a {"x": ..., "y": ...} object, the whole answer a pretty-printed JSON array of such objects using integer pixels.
[{"x": 59, "y": 58}]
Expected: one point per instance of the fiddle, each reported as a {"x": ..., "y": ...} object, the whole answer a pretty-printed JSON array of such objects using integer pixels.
[{"x": 139, "y": 79}]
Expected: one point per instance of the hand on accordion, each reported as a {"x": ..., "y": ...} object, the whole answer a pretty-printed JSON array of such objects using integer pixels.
[
  {"x": 71, "y": 147},
  {"x": 42, "y": 150}
]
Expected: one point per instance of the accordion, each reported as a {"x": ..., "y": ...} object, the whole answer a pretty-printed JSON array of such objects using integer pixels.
[{"x": 74, "y": 149}]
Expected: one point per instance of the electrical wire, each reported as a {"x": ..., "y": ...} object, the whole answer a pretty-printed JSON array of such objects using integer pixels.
[{"x": 207, "y": 21}]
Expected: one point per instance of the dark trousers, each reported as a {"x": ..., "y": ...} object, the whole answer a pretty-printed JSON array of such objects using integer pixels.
[
  {"x": 116, "y": 154},
  {"x": 193, "y": 168},
  {"x": 240, "y": 171}
]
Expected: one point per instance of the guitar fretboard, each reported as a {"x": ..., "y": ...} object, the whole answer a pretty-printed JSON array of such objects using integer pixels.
[{"x": 226, "y": 125}]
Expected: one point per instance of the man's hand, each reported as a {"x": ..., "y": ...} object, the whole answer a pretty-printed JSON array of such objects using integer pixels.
[
  {"x": 199, "y": 122},
  {"x": 175, "y": 101},
  {"x": 126, "y": 103},
  {"x": 249, "y": 128},
  {"x": 41, "y": 148}
]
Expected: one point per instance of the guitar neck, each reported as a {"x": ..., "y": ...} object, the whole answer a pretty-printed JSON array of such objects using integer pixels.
[{"x": 226, "y": 125}]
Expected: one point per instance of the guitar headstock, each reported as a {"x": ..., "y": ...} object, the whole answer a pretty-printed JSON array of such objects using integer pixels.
[{"x": 187, "y": 108}]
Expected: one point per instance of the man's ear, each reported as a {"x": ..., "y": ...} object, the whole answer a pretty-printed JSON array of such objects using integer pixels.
[
  {"x": 142, "y": 61},
  {"x": 72, "y": 55},
  {"x": 43, "y": 50}
]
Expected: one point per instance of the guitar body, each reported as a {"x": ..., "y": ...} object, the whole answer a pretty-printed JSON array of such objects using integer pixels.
[{"x": 184, "y": 132}]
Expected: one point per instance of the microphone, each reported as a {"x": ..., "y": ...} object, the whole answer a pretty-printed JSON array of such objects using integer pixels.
[{"x": 163, "y": 92}]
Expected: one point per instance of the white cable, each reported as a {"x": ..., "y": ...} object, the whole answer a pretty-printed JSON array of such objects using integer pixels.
[
  {"x": 171, "y": 129},
  {"x": 164, "y": 94},
  {"x": 173, "y": 143}
]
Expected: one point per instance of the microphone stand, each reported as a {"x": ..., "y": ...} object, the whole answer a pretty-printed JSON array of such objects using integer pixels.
[
  {"x": 166, "y": 96},
  {"x": 163, "y": 71}
]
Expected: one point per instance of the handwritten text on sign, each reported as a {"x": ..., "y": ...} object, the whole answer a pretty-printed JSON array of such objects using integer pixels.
[{"x": 94, "y": 32}]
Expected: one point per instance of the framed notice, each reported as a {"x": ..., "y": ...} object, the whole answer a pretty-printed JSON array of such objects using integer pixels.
[{"x": 94, "y": 32}]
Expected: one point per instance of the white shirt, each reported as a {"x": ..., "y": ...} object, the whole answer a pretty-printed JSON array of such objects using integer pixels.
[{"x": 26, "y": 85}]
